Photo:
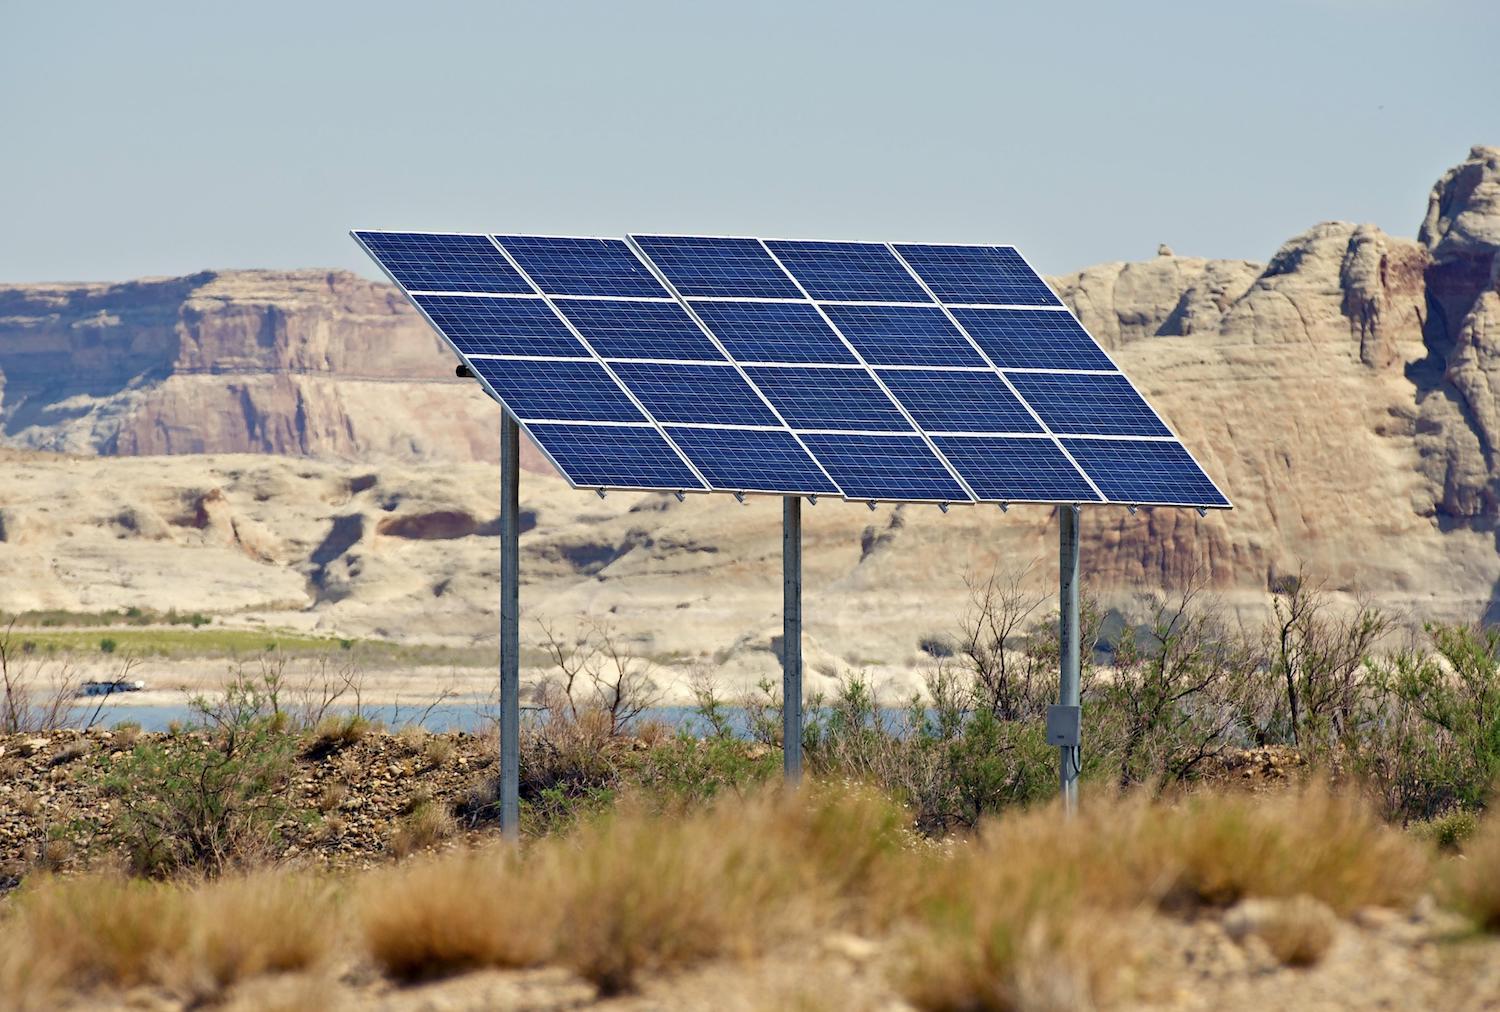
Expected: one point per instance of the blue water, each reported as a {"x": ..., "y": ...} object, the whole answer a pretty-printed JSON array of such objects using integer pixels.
[{"x": 459, "y": 716}]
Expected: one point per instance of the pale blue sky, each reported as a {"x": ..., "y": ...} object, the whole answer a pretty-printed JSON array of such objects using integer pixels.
[{"x": 162, "y": 138}]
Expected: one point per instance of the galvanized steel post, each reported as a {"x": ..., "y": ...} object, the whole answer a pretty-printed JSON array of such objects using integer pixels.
[
  {"x": 510, "y": 627},
  {"x": 791, "y": 637},
  {"x": 1068, "y": 689}
]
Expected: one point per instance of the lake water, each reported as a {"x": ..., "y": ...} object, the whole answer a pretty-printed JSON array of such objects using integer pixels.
[{"x": 455, "y": 716}]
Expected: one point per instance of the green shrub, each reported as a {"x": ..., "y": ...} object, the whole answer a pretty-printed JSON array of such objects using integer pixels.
[
  {"x": 205, "y": 800},
  {"x": 107, "y": 645}
]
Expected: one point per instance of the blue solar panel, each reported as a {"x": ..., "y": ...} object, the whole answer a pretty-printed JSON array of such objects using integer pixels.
[
  {"x": 1033, "y": 339},
  {"x": 562, "y": 266},
  {"x": 1096, "y": 404},
  {"x": 989, "y": 275},
  {"x": 959, "y": 401},
  {"x": 709, "y": 266},
  {"x": 485, "y": 326},
  {"x": 811, "y": 397},
  {"x": 615, "y": 456},
  {"x": 1142, "y": 471},
  {"x": 885, "y": 467},
  {"x": 854, "y": 271},
  {"x": 774, "y": 332},
  {"x": 862, "y": 389},
  {"x": 1016, "y": 469},
  {"x": 564, "y": 391},
  {"x": 904, "y": 335},
  {"x": 427, "y": 262},
  {"x": 639, "y": 329},
  {"x": 752, "y": 460},
  {"x": 695, "y": 394}
]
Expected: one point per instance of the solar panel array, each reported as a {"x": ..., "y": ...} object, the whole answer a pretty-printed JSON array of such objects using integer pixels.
[{"x": 873, "y": 371}]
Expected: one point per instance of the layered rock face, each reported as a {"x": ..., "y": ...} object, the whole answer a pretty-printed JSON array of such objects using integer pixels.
[
  {"x": 307, "y": 363},
  {"x": 1343, "y": 394}
]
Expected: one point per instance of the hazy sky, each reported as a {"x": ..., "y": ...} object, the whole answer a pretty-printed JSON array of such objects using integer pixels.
[{"x": 162, "y": 138}]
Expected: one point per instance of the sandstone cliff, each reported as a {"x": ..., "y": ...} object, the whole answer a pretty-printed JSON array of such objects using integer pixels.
[{"x": 312, "y": 363}]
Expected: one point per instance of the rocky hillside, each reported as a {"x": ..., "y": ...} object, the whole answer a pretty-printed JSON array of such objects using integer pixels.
[{"x": 1343, "y": 394}]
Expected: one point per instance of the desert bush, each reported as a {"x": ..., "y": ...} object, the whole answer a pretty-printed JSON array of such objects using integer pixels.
[
  {"x": 1428, "y": 736},
  {"x": 205, "y": 800},
  {"x": 1185, "y": 689},
  {"x": 36, "y": 694},
  {"x": 1317, "y": 656}
]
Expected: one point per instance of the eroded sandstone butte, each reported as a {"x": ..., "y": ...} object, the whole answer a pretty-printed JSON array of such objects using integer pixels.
[{"x": 1344, "y": 394}]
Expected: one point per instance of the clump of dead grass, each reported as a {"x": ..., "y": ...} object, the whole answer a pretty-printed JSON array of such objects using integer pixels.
[
  {"x": 1029, "y": 903},
  {"x": 1297, "y": 931},
  {"x": 441, "y": 915},
  {"x": 1471, "y": 883},
  {"x": 426, "y": 824},
  {"x": 104, "y": 932},
  {"x": 631, "y": 893}
]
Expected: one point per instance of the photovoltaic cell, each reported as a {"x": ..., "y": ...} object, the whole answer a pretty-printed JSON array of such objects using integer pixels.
[
  {"x": 992, "y": 275},
  {"x": 565, "y": 391},
  {"x": 810, "y": 397},
  {"x": 774, "y": 332},
  {"x": 563, "y": 266},
  {"x": 1145, "y": 472},
  {"x": 925, "y": 366},
  {"x": 615, "y": 456},
  {"x": 959, "y": 401},
  {"x": 485, "y": 326},
  {"x": 1033, "y": 339},
  {"x": 710, "y": 266},
  {"x": 752, "y": 460},
  {"x": 903, "y": 335},
  {"x": 619, "y": 329},
  {"x": 1001, "y": 469},
  {"x": 1095, "y": 404},
  {"x": 885, "y": 467},
  {"x": 421, "y": 261},
  {"x": 856, "y": 271},
  {"x": 694, "y": 394}
]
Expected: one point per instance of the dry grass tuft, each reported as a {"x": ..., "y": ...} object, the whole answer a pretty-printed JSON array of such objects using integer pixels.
[
  {"x": 334, "y": 734},
  {"x": 1471, "y": 883},
  {"x": 440, "y": 915},
  {"x": 1298, "y": 932},
  {"x": 437, "y": 751},
  {"x": 268, "y": 922},
  {"x": 631, "y": 893},
  {"x": 425, "y": 825},
  {"x": 106, "y": 932},
  {"x": 1033, "y": 890},
  {"x": 332, "y": 796}
]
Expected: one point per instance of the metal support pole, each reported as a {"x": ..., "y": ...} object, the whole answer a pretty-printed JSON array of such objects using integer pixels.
[
  {"x": 791, "y": 637},
  {"x": 510, "y": 627},
  {"x": 1068, "y": 693}
]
